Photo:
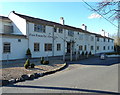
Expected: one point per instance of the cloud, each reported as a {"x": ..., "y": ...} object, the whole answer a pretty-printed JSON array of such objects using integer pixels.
[{"x": 94, "y": 15}]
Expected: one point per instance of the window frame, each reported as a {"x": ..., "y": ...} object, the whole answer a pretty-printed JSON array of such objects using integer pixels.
[
  {"x": 39, "y": 28},
  {"x": 37, "y": 48},
  {"x": 48, "y": 46},
  {"x": 58, "y": 47},
  {"x": 8, "y": 50}
]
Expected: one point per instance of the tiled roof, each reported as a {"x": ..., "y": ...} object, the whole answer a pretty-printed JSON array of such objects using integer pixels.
[
  {"x": 4, "y": 18},
  {"x": 51, "y": 23}
]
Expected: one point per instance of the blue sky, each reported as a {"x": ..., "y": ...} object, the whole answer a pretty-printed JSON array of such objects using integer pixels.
[{"x": 74, "y": 13}]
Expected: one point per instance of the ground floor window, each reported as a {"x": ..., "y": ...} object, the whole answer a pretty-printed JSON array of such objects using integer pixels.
[
  {"x": 36, "y": 46},
  {"x": 85, "y": 47},
  {"x": 58, "y": 47},
  {"x": 48, "y": 47},
  {"x": 92, "y": 48},
  {"x": 81, "y": 47},
  {"x": 6, "y": 47}
]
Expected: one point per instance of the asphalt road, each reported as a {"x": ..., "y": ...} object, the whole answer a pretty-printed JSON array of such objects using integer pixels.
[{"x": 77, "y": 78}]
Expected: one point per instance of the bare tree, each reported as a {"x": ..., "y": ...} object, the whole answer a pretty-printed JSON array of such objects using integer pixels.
[{"x": 109, "y": 8}]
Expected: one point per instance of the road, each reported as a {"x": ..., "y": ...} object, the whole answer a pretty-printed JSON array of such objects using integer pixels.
[{"x": 76, "y": 78}]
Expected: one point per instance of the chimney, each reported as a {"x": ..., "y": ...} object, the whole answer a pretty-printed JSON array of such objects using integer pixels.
[
  {"x": 84, "y": 27},
  {"x": 103, "y": 32},
  {"x": 62, "y": 21}
]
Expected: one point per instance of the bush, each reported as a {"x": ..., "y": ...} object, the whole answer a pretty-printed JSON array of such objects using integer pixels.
[
  {"x": 45, "y": 62},
  {"x": 86, "y": 53},
  {"x": 82, "y": 53},
  {"x": 32, "y": 65},
  {"x": 27, "y": 64},
  {"x": 28, "y": 52},
  {"x": 90, "y": 53},
  {"x": 42, "y": 59}
]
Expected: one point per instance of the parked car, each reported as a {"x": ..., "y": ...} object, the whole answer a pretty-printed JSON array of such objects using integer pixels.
[{"x": 102, "y": 56}]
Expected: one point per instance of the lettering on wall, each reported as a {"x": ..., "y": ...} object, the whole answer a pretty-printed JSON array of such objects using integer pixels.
[{"x": 37, "y": 35}]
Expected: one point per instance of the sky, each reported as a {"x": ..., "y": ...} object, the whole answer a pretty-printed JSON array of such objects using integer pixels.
[{"x": 74, "y": 13}]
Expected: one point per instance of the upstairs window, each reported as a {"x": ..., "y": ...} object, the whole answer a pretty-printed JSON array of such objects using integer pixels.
[
  {"x": 108, "y": 40},
  {"x": 8, "y": 29},
  {"x": 39, "y": 28},
  {"x": 70, "y": 33},
  {"x": 104, "y": 39},
  {"x": 6, "y": 47},
  {"x": 60, "y": 30},
  {"x": 108, "y": 47},
  {"x": 103, "y": 47},
  {"x": 97, "y": 38},
  {"x": 55, "y": 29},
  {"x": 92, "y": 38},
  {"x": 58, "y": 47}
]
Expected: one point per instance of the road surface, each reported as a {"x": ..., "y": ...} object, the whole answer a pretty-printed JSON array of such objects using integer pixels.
[{"x": 76, "y": 78}]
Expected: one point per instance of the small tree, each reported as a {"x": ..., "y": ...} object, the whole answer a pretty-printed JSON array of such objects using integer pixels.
[
  {"x": 28, "y": 52},
  {"x": 82, "y": 53},
  {"x": 27, "y": 64},
  {"x": 90, "y": 53}
]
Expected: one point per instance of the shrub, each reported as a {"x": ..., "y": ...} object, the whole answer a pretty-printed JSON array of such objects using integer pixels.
[
  {"x": 86, "y": 53},
  {"x": 90, "y": 53},
  {"x": 45, "y": 62},
  {"x": 32, "y": 65},
  {"x": 28, "y": 52},
  {"x": 42, "y": 59},
  {"x": 82, "y": 53},
  {"x": 27, "y": 64}
]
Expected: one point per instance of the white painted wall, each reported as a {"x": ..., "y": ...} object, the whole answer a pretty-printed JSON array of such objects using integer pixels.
[
  {"x": 18, "y": 23},
  {"x": 18, "y": 49}
]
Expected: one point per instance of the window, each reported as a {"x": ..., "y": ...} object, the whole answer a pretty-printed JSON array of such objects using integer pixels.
[
  {"x": 92, "y": 47},
  {"x": 60, "y": 30},
  {"x": 97, "y": 47},
  {"x": 112, "y": 47},
  {"x": 81, "y": 36},
  {"x": 6, "y": 48},
  {"x": 58, "y": 47},
  {"x": 108, "y": 47},
  {"x": 108, "y": 40},
  {"x": 85, "y": 48},
  {"x": 104, "y": 39},
  {"x": 19, "y": 40},
  {"x": 48, "y": 47},
  {"x": 80, "y": 47},
  {"x": 8, "y": 29},
  {"x": 97, "y": 38},
  {"x": 70, "y": 33},
  {"x": 55, "y": 29},
  {"x": 92, "y": 38},
  {"x": 39, "y": 28},
  {"x": 36, "y": 46},
  {"x": 104, "y": 48}
]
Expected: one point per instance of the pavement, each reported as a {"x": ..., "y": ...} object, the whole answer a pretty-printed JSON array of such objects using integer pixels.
[{"x": 84, "y": 76}]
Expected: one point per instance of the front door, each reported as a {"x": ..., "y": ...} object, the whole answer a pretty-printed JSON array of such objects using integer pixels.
[{"x": 68, "y": 47}]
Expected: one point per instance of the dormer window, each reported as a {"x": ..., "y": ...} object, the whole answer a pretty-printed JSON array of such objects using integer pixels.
[
  {"x": 70, "y": 33},
  {"x": 39, "y": 28},
  {"x": 8, "y": 29},
  {"x": 60, "y": 30}
]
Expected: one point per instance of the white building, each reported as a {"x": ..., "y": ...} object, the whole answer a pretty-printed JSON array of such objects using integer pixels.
[{"x": 45, "y": 38}]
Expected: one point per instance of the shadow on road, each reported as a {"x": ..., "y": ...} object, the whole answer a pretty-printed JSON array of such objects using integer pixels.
[
  {"x": 65, "y": 88},
  {"x": 97, "y": 61}
]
